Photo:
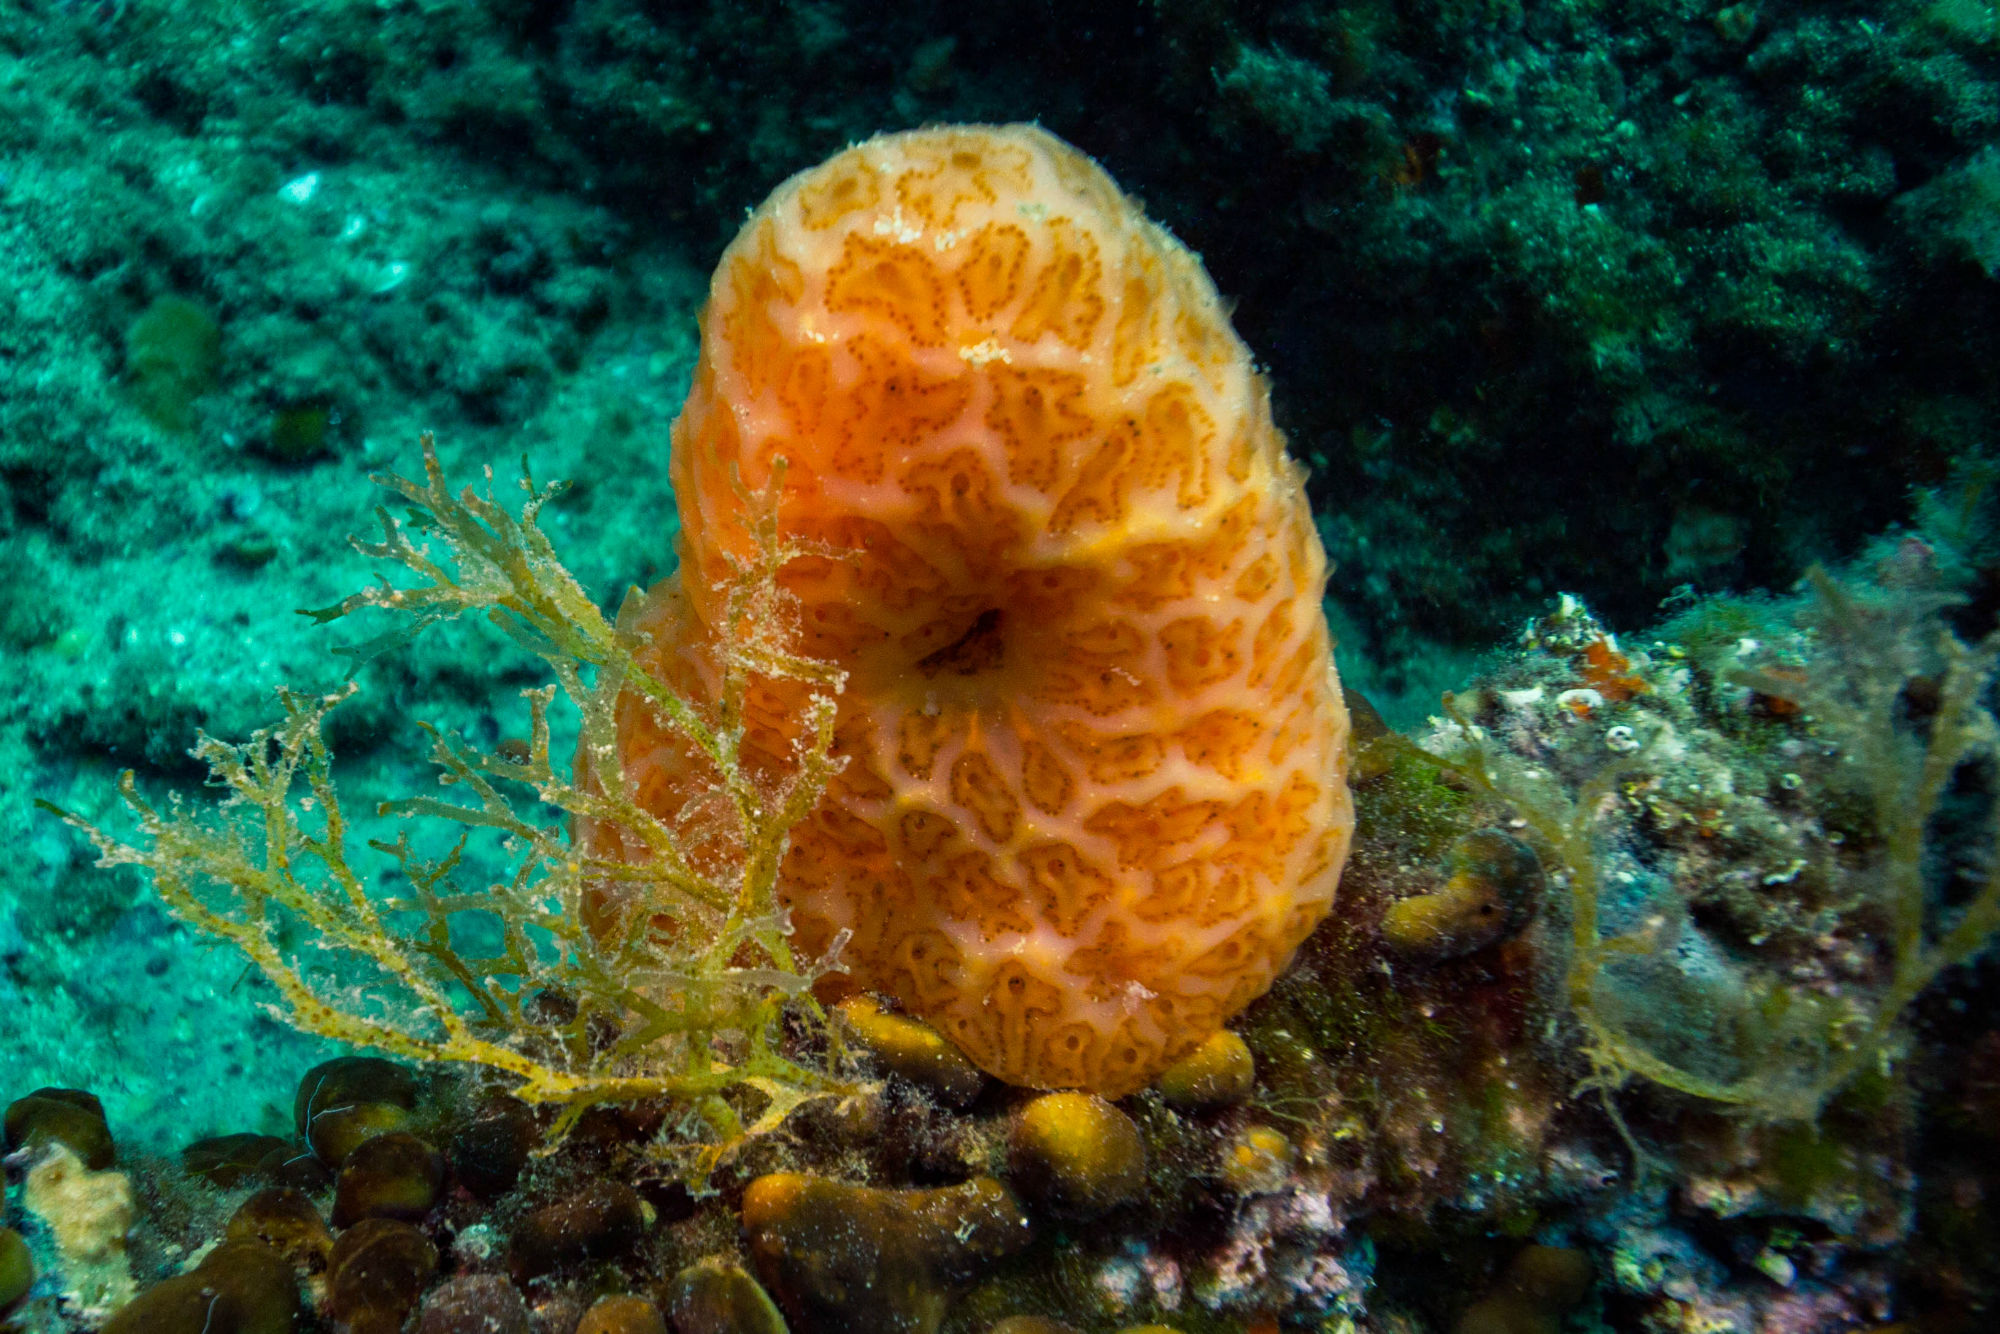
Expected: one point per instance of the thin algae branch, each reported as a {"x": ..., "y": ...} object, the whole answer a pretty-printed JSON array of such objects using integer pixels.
[{"x": 682, "y": 993}]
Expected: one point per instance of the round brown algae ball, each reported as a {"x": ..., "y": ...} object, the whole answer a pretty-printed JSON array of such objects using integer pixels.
[
  {"x": 1541, "y": 1285},
  {"x": 63, "y": 1116},
  {"x": 590, "y": 1220},
  {"x": 228, "y": 1161},
  {"x": 378, "y": 1269},
  {"x": 913, "y": 1050},
  {"x": 845, "y": 1257},
  {"x": 287, "y": 1221},
  {"x": 1031, "y": 1324},
  {"x": 475, "y": 1304},
  {"x": 1218, "y": 1073},
  {"x": 240, "y": 1287},
  {"x": 1494, "y": 885},
  {"x": 718, "y": 1296},
  {"x": 182, "y": 1304},
  {"x": 17, "y": 1269},
  {"x": 348, "y": 1099},
  {"x": 488, "y": 1152},
  {"x": 1507, "y": 1314},
  {"x": 1557, "y": 1276},
  {"x": 1075, "y": 1154},
  {"x": 557, "y": 1312},
  {"x": 389, "y": 1176},
  {"x": 636, "y": 1315}
]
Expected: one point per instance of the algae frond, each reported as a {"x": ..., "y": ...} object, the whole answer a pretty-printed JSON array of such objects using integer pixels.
[{"x": 687, "y": 1000}]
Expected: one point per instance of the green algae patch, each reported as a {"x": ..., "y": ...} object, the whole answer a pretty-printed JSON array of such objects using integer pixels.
[
  {"x": 17, "y": 1269},
  {"x": 299, "y": 433},
  {"x": 173, "y": 352}
]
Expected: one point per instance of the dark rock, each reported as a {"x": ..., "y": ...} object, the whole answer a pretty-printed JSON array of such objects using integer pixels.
[{"x": 560, "y": 1313}]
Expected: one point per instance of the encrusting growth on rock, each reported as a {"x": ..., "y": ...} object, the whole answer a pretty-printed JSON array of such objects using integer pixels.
[
  {"x": 87, "y": 1214},
  {"x": 1094, "y": 794},
  {"x": 1219, "y": 1072},
  {"x": 1494, "y": 885}
]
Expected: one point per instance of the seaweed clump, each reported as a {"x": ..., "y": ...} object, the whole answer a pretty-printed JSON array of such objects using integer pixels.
[
  {"x": 687, "y": 1000},
  {"x": 1750, "y": 932}
]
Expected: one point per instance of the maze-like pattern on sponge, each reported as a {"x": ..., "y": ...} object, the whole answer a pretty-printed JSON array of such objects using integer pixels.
[{"x": 1095, "y": 791}]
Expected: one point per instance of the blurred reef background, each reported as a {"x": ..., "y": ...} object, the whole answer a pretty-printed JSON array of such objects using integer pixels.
[{"x": 1658, "y": 305}]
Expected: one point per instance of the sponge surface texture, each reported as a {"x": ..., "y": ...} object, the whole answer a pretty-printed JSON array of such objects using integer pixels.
[{"x": 1095, "y": 790}]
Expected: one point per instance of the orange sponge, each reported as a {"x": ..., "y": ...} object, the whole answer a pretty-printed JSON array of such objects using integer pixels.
[{"x": 1095, "y": 790}]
